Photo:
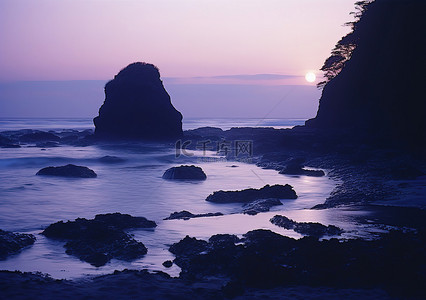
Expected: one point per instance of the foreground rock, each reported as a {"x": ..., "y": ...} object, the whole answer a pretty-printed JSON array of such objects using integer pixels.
[
  {"x": 306, "y": 228},
  {"x": 185, "y": 173},
  {"x": 12, "y": 243},
  {"x": 137, "y": 107},
  {"x": 99, "y": 240},
  {"x": 69, "y": 170},
  {"x": 244, "y": 196},
  {"x": 186, "y": 215},
  {"x": 146, "y": 285},
  {"x": 263, "y": 259}
]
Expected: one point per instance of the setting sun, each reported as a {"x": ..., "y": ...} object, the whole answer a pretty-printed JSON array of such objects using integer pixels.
[{"x": 310, "y": 77}]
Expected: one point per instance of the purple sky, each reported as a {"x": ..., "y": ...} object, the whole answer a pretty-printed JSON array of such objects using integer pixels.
[{"x": 193, "y": 42}]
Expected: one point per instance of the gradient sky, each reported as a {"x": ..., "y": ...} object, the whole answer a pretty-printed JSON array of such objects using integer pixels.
[{"x": 211, "y": 40}]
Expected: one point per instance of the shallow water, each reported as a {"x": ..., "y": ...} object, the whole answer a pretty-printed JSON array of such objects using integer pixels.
[{"x": 29, "y": 203}]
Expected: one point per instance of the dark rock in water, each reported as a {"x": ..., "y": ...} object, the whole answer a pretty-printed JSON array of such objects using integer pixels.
[
  {"x": 185, "y": 173},
  {"x": 223, "y": 240},
  {"x": 317, "y": 229},
  {"x": 99, "y": 240},
  {"x": 264, "y": 259},
  {"x": 125, "y": 221},
  {"x": 345, "y": 194},
  {"x": 188, "y": 246},
  {"x": 111, "y": 159},
  {"x": 5, "y": 142},
  {"x": 168, "y": 263},
  {"x": 261, "y": 205},
  {"x": 104, "y": 244},
  {"x": 68, "y": 171},
  {"x": 206, "y": 132},
  {"x": 39, "y": 136},
  {"x": 295, "y": 167},
  {"x": 186, "y": 215},
  {"x": 225, "y": 255},
  {"x": 138, "y": 107},
  {"x": 10, "y": 146},
  {"x": 302, "y": 171},
  {"x": 312, "y": 229},
  {"x": 283, "y": 222},
  {"x": 11, "y": 243},
  {"x": 275, "y": 191}
]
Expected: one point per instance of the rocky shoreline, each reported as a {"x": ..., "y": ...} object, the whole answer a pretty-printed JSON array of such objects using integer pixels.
[{"x": 227, "y": 266}]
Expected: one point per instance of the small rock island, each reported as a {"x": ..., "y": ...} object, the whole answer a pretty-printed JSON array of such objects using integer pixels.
[
  {"x": 137, "y": 107},
  {"x": 185, "y": 173}
]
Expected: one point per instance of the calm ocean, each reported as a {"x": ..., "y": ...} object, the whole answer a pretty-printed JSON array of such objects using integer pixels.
[{"x": 29, "y": 203}]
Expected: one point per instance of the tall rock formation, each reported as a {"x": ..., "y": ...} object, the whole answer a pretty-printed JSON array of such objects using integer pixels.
[
  {"x": 137, "y": 106},
  {"x": 379, "y": 92}
]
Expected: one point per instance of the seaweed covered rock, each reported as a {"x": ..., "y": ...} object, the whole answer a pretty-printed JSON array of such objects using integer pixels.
[
  {"x": 264, "y": 259},
  {"x": 11, "y": 243},
  {"x": 306, "y": 228},
  {"x": 185, "y": 173},
  {"x": 137, "y": 106},
  {"x": 248, "y": 195},
  {"x": 99, "y": 240},
  {"x": 69, "y": 170}
]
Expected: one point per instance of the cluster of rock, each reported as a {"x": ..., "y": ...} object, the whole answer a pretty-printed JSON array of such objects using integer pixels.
[
  {"x": 185, "y": 173},
  {"x": 69, "y": 170},
  {"x": 12, "y": 243},
  {"x": 306, "y": 228},
  {"x": 249, "y": 195},
  {"x": 99, "y": 240},
  {"x": 264, "y": 259},
  {"x": 44, "y": 139},
  {"x": 255, "y": 200}
]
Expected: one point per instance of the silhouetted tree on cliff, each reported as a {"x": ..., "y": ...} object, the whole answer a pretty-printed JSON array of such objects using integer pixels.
[
  {"x": 342, "y": 52},
  {"x": 376, "y": 76}
]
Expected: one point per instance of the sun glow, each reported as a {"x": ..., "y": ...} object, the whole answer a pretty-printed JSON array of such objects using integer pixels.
[{"x": 310, "y": 77}]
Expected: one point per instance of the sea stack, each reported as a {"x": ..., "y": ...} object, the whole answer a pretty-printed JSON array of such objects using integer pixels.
[{"x": 137, "y": 107}]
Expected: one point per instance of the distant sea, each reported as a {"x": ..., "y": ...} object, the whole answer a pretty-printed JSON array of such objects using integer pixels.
[{"x": 188, "y": 123}]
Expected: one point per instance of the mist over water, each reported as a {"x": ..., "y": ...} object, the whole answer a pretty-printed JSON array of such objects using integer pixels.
[
  {"x": 29, "y": 203},
  {"x": 58, "y": 124}
]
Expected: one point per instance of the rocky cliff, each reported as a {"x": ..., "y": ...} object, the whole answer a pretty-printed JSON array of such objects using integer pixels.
[{"x": 379, "y": 92}]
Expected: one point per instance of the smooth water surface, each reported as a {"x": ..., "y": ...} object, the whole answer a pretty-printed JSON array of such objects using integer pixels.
[{"x": 29, "y": 203}]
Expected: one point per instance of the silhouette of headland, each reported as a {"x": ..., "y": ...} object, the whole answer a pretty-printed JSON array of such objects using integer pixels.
[
  {"x": 137, "y": 107},
  {"x": 376, "y": 76}
]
